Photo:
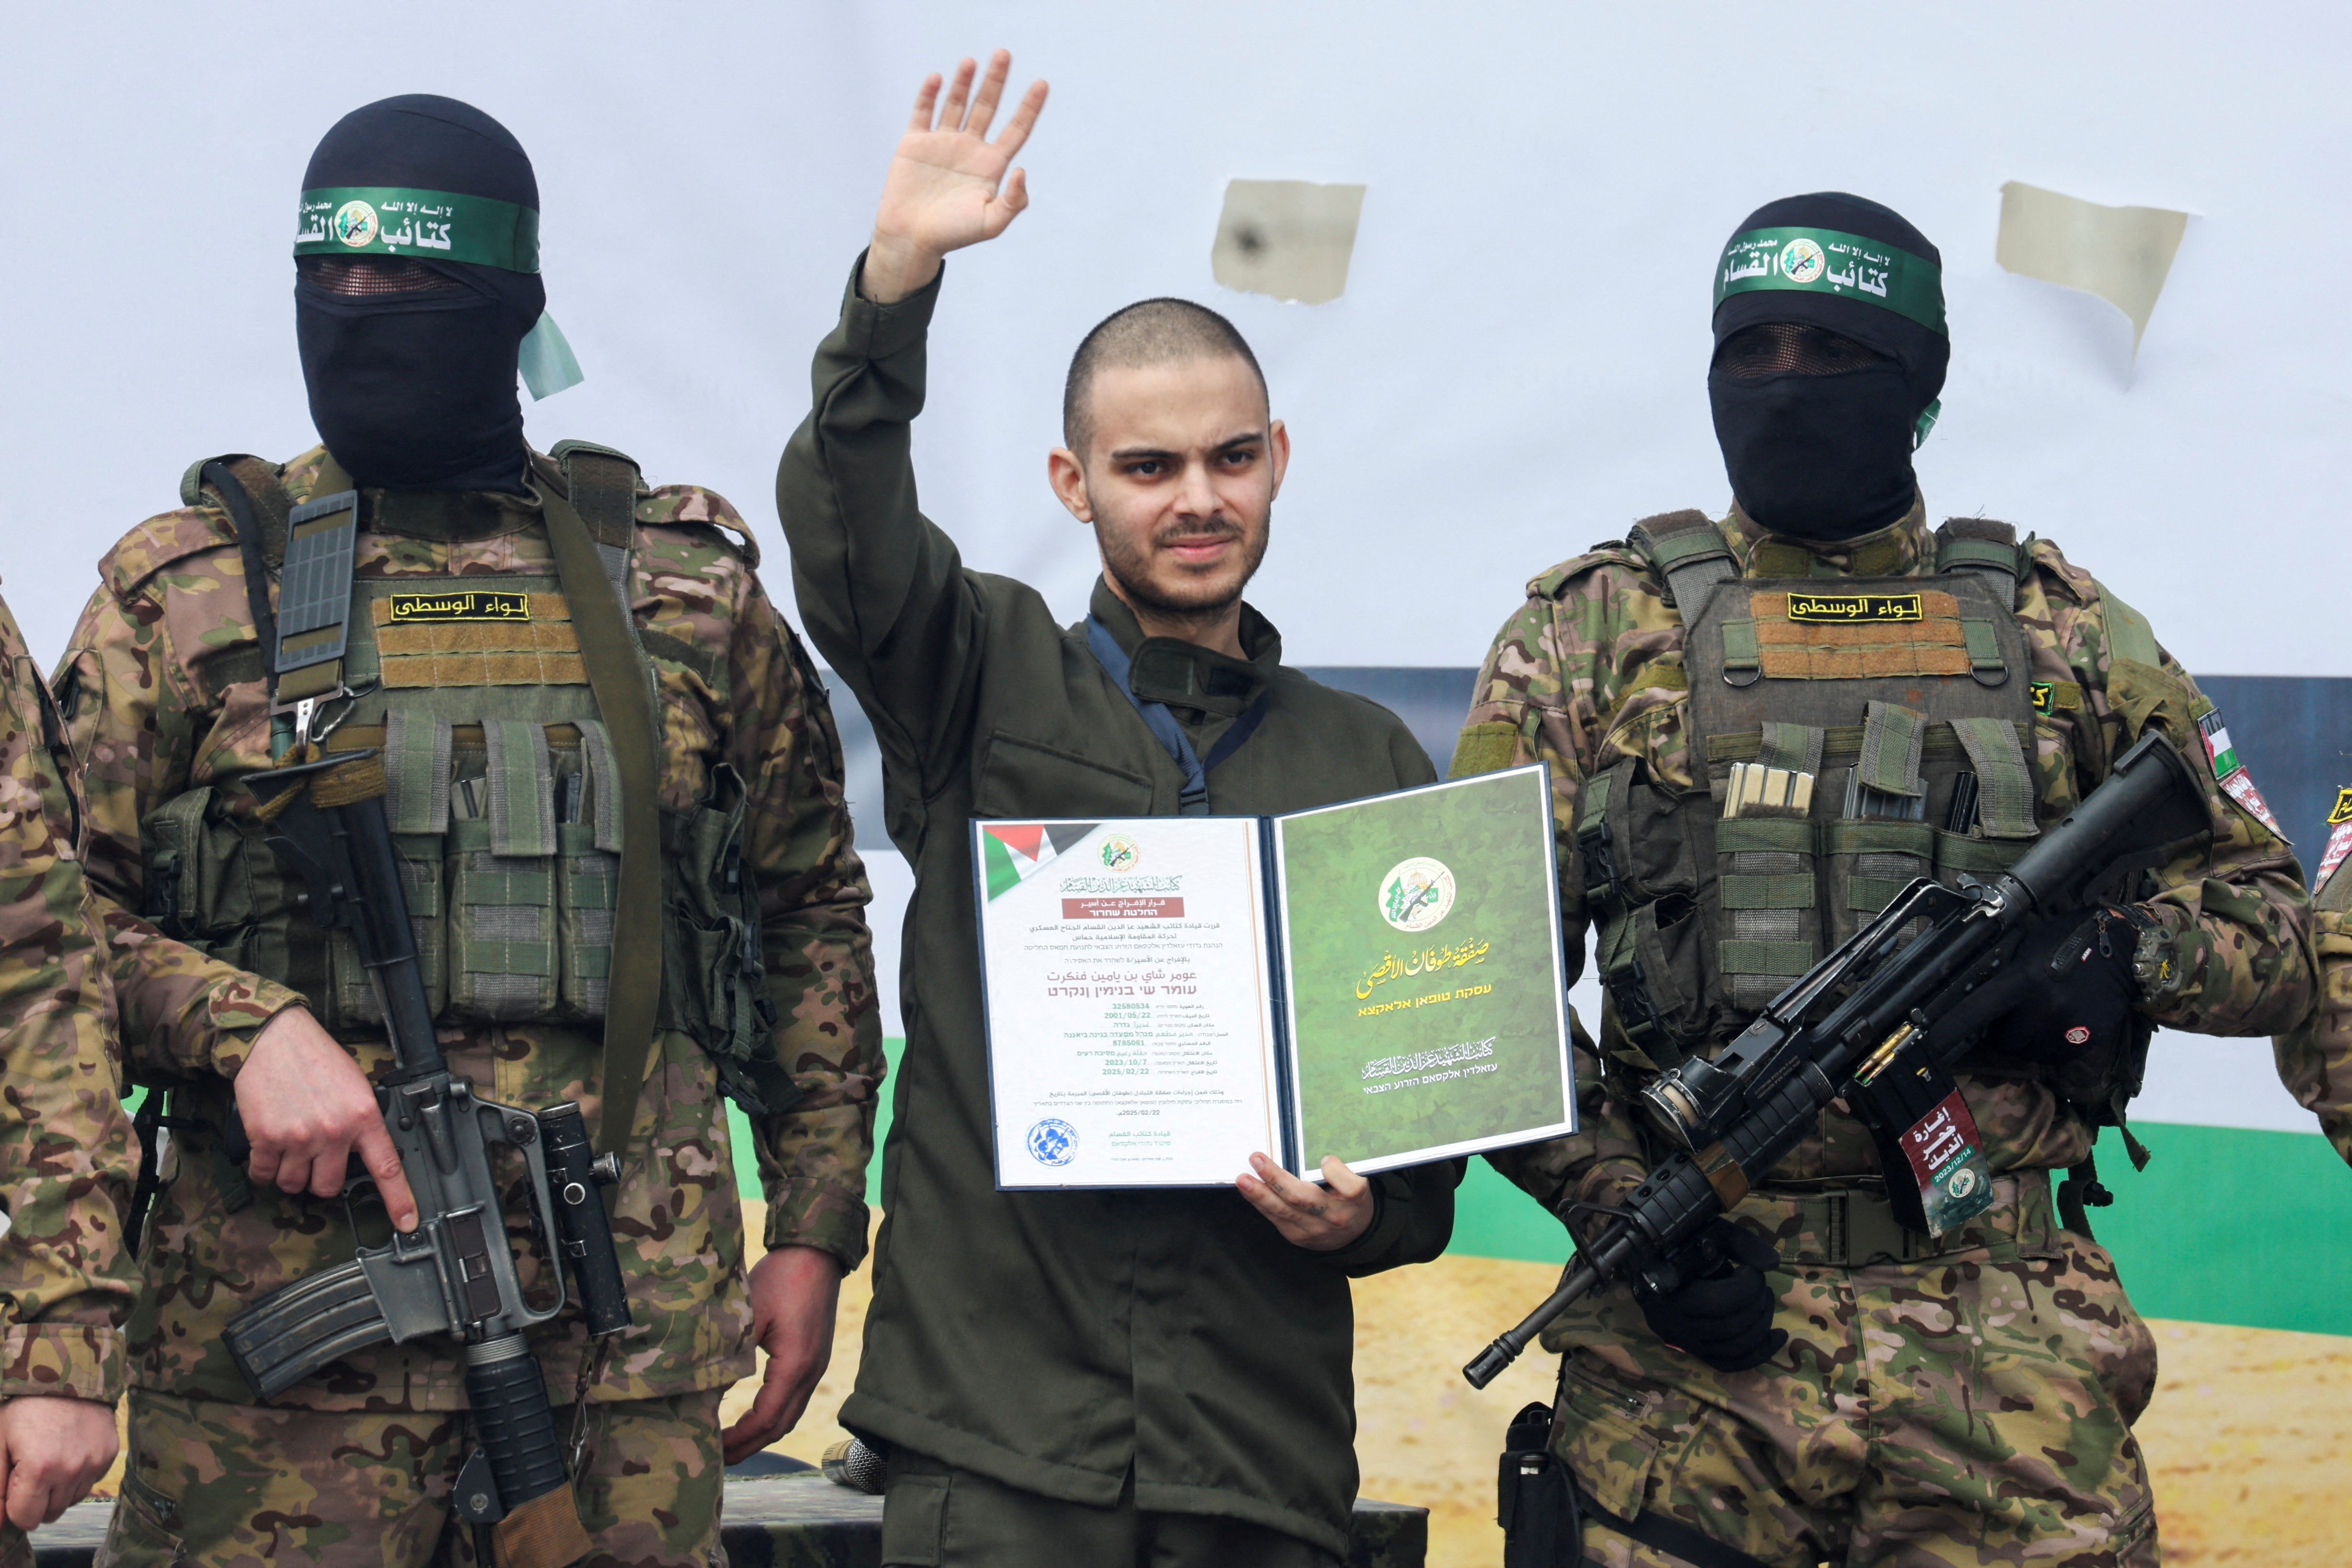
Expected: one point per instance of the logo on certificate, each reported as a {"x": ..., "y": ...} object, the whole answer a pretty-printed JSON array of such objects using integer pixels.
[
  {"x": 1052, "y": 1141},
  {"x": 1416, "y": 894},
  {"x": 1121, "y": 854}
]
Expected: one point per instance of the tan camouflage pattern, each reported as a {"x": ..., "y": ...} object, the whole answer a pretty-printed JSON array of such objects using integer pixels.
[
  {"x": 155, "y": 712},
  {"x": 244, "y": 1485},
  {"x": 1974, "y": 1410},
  {"x": 66, "y": 1281},
  {"x": 2314, "y": 1058},
  {"x": 1970, "y": 1409},
  {"x": 1590, "y": 671}
]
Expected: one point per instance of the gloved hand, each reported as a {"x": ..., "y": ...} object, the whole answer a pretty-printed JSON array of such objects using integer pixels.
[
  {"x": 2066, "y": 992},
  {"x": 1724, "y": 1316}
]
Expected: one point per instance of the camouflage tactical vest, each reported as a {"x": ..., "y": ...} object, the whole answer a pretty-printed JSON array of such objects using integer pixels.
[
  {"x": 504, "y": 805},
  {"x": 1904, "y": 705}
]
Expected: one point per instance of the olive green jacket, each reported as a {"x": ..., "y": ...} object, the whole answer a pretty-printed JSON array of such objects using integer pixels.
[{"x": 1057, "y": 1342}]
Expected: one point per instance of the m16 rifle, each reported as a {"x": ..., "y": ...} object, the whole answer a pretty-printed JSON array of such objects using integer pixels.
[
  {"x": 1860, "y": 1024},
  {"x": 454, "y": 1274}
]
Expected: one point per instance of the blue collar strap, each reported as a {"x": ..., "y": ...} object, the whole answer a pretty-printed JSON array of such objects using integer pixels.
[{"x": 1194, "y": 800}]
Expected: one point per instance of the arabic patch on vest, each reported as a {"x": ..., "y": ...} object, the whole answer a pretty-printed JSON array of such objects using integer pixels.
[
  {"x": 1948, "y": 1165},
  {"x": 2045, "y": 697},
  {"x": 1847, "y": 609},
  {"x": 474, "y": 605},
  {"x": 2339, "y": 838},
  {"x": 2231, "y": 773}
]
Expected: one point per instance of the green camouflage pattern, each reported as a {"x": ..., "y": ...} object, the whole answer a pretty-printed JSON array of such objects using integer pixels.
[
  {"x": 1973, "y": 1410},
  {"x": 165, "y": 696},
  {"x": 66, "y": 1280},
  {"x": 1590, "y": 671},
  {"x": 1983, "y": 1397},
  {"x": 244, "y": 1485},
  {"x": 2314, "y": 1058}
]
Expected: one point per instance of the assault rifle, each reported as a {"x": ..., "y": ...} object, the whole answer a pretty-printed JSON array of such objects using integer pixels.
[
  {"x": 1860, "y": 1024},
  {"x": 454, "y": 1274}
]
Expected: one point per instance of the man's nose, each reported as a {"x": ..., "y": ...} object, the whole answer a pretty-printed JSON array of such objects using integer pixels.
[{"x": 1197, "y": 497}]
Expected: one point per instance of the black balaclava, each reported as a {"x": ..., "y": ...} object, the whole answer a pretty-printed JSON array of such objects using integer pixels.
[
  {"x": 414, "y": 389},
  {"x": 1829, "y": 457}
]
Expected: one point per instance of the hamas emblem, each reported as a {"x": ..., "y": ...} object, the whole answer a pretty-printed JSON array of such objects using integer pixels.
[
  {"x": 1416, "y": 894},
  {"x": 1802, "y": 262},
  {"x": 1121, "y": 854},
  {"x": 356, "y": 224},
  {"x": 2341, "y": 812}
]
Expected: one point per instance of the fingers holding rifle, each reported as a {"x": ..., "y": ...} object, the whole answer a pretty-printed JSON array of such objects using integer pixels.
[
  {"x": 306, "y": 1109},
  {"x": 1321, "y": 1219},
  {"x": 1722, "y": 1311}
]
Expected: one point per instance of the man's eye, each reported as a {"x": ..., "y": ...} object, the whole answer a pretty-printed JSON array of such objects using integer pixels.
[
  {"x": 1146, "y": 468},
  {"x": 1241, "y": 458}
]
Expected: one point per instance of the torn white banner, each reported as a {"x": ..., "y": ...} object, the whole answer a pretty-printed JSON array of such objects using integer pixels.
[
  {"x": 1289, "y": 239},
  {"x": 2120, "y": 254}
]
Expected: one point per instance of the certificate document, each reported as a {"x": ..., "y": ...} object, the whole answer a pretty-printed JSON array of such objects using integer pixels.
[{"x": 1379, "y": 980}]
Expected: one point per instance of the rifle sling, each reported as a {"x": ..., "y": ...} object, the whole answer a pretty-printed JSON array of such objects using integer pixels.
[{"x": 616, "y": 674}]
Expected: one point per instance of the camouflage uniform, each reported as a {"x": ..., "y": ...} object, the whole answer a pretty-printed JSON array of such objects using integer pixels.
[
  {"x": 1972, "y": 1405},
  {"x": 165, "y": 697},
  {"x": 2315, "y": 1060},
  {"x": 66, "y": 1281}
]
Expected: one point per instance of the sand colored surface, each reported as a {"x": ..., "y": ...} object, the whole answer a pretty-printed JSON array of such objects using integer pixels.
[{"x": 2249, "y": 1435}]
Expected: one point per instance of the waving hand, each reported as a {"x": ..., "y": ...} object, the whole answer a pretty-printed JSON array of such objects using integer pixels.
[{"x": 947, "y": 187}]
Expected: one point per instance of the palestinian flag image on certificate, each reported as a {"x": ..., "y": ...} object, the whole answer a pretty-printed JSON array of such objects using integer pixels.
[{"x": 1013, "y": 852}]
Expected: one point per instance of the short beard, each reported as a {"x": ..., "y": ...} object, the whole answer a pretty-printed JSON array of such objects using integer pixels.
[{"x": 1192, "y": 614}]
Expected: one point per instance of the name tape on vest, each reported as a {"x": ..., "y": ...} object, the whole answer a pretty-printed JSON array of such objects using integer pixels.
[
  {"x": 1847, "y": 609},
  {"x": 471, "y": 606}
]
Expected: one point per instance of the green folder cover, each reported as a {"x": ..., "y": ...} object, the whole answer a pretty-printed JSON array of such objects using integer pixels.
[{"x": 1379, "y": 980}]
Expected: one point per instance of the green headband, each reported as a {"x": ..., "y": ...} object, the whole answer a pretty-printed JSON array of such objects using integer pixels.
[
  {"x": 1824, "y": 261},
  {"x": 387, "y": 220}
]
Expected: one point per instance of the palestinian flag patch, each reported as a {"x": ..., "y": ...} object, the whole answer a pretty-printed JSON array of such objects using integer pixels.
[
  {"x": 1016, "y": 852},
  {"x": 2231, "y": 773}
]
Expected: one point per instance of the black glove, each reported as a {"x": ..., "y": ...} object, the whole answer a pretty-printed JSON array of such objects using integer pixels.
[
  {"x": 1724, "y": 1315},
  {"x": 2065, "y": 993}
]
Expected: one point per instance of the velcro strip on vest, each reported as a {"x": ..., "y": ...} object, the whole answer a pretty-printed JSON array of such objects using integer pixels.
[
  {"x": 1891, "y": 738},
  {"x": 1849, "y": 636},
  {"x": 604, "y": 784},
  {"x": 2005, "y": 793},
  {"x": 1788, "y": 959},
  {"x": 314, "y": 595},
  {"x": 1794, "y": 747},
  {"x": 522, "y": 789},
  {"x": 416, "y": 748},
  {"x": 1984, "y": 650}
]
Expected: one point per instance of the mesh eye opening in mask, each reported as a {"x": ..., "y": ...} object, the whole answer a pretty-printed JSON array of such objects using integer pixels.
[
  {"x": 1775, "y": 348},
  {"x": 370, "y": 276}
]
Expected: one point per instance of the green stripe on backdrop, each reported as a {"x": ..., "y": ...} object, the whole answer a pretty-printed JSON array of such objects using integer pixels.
[{"x": 2224, "y": 1226}]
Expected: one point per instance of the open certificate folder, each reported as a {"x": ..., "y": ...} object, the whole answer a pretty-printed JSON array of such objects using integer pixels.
[{"x": 1380, "y": 981}]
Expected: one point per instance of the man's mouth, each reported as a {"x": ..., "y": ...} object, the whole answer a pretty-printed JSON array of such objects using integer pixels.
[{"x": 1197, "y": 549}]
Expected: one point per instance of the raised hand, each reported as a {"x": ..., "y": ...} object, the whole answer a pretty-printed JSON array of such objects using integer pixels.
[{"x": 947, "y": 187}]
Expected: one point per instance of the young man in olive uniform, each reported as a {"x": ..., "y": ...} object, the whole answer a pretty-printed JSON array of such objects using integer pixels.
[
  {"x": 1097, "y": 1377},
  {"x": 65, "y": 1278},
  {"x": 1847, "y": 1389},
  {"x": 569, "y": 956}
]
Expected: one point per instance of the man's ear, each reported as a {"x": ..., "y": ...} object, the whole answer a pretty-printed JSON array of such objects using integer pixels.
[
  {"x": 1277, "y": 446},
  {"x": 1068, "y": 477}
]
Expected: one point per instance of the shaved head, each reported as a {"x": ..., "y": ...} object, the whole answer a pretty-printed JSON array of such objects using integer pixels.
[{"x": 1148, "y": 332}]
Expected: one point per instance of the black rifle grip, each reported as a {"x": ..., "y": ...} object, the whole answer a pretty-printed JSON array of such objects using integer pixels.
[{"x": 514, "y": 1424}]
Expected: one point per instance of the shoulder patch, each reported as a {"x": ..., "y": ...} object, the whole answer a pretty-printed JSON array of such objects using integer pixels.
[{"x": 673, "y": 506}]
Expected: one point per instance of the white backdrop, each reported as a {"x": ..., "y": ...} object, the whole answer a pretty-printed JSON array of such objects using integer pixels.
[
  {"x": 1516, "y": 371},
  {"x": 1516, "y": 368}
]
